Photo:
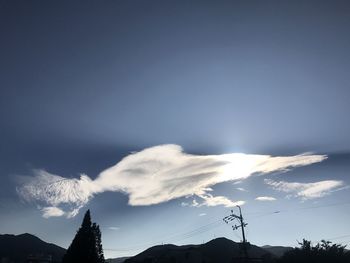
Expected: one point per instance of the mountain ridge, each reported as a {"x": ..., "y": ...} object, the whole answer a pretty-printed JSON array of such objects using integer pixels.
[
  {"x": 221, "y": 250},
  {"x": 17, "y": 248}
]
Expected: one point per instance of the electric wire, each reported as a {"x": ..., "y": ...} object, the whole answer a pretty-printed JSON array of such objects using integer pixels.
[{"x": 214, "y": 224}]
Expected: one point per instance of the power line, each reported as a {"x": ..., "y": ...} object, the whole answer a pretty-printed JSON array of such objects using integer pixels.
[
  {"x": 175, "y": 237},
  {"x": 262, "y": 214},
  {"x": 216, "y": 223},
  {"x": 338, "y": 237}
]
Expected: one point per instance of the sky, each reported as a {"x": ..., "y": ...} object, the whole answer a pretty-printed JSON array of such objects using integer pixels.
[{"x": 162, "y": 116}]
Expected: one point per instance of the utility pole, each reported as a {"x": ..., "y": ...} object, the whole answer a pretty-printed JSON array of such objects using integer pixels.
[{"x": 228, "y": 219}]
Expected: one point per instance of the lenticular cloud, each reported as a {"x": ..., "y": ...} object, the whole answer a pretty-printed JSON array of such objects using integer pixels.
[{"x": 155, "y": 175}]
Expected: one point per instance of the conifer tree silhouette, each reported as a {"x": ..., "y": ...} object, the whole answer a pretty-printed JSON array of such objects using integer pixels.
[
  {"x": 86, "y": 246},
  {"x": 99, "y": 249}
]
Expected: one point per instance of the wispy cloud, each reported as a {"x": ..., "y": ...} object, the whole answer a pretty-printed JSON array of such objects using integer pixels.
[
  {"x": 155, "y": 175},
  {"x": 202, "y": 214},
  {"x": 306, "y": 190},
  {"x": 265, "y": 198},
  {"x": 241, "y": 189},
  {"x": 114, "y": 228}
]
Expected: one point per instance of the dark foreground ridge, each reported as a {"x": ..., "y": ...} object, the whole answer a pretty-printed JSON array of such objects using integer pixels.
[
  {"x": 27, "y": 248},
  {"x": 116, "y": 260},
  {"x": 220, "y": 250},
  {"x": 278, "y": 251},
  {"x": 19, "y": 248}
]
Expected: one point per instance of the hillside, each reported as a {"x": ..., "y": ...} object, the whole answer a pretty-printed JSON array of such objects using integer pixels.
[
  {"x": 217, "y": 250},
  {"x": 16, "y": 248},
  {"x": 116, "y": 260},
  {"x": 278, "y": 251}
]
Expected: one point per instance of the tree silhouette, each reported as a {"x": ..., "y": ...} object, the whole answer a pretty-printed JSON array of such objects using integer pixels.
[
  {"x": 99, "y": 249},
  {"x": 322, "y": 252},
  {"x": 86, "y": 246}
]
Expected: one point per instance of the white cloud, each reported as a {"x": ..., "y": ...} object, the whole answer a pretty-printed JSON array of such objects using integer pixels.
[
  {"x": 158, "y": 174},
  {"x": 306, "y": 190},
  {"x": 55, "y": 190},
  {"x": 114, "y": 228},
  {"x": 241, "y": 189},
  {"x": 194, "y": 203},
  {"x": 73, "y": 212},
  {"x": 202, "y": 214},
  {"x": 265, "y": 198},
  {"x": 52, "y": 212},
  {"x": 210, "y": 200}
]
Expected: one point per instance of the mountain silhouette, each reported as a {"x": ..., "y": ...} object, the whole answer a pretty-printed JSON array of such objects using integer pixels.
[
  {"x": 17, "y": 248},
  {"x": 220, "y": 250}
]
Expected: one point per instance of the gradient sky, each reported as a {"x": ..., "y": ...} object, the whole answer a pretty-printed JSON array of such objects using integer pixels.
[{"x": 84, "y": 84}]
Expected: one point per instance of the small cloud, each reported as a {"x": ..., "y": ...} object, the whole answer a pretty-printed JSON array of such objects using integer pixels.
[
  {"x": 202, "y": 214},
  {"x": 73, "y": 212},
  {"x": 210, "y": 200},
  {"x": 306, "y": 190},
  {"x": 114, "y": 228},
  {"x": 265, "y": 198},
  {"x": 195, "y": 203},
  {"x": 241, "y": 189},
  {"x": 52, "y": 211},
  {"x": 191, "y": 201}
]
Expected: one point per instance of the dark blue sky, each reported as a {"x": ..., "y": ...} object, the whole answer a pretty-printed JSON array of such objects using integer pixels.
[{"x": 83, "y": 84}]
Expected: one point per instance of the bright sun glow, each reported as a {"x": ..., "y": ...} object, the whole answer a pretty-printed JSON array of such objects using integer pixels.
[{"x": 240, "y": 165}]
